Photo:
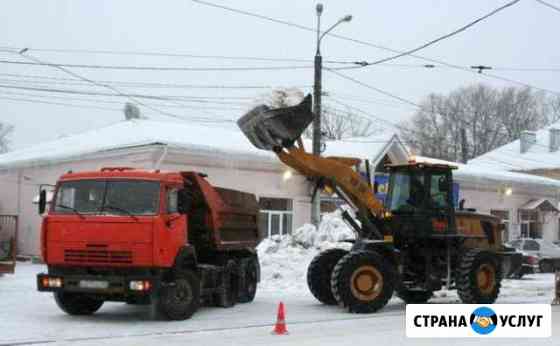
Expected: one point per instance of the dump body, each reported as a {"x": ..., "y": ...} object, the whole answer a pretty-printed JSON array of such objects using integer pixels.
[
  {"x": 8, "y": 243},
  {"x": 121, "y": 234}
]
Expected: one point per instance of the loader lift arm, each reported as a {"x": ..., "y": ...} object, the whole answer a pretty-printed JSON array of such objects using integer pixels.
[{"x": 279, "y": 130}]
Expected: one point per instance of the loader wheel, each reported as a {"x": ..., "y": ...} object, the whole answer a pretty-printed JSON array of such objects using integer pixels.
[
  {"x": 362, "y": 282},
  {"x": 319, "y": 275},
  {"x": 248, "y": 289},
  {"x": 478, "y": 277},
  {"x": 414, "y": 296},
  {"x": 227, "y": 296},
  {"x": 179, "y": 299},
  {"x": 77, "y": 303}
]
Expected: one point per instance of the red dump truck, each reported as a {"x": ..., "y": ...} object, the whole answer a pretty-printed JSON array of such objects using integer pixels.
[{"x": 168, "y": 239}]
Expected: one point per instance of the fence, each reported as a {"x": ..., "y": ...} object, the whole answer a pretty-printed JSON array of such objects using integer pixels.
[{"x": 8, "y": 243}]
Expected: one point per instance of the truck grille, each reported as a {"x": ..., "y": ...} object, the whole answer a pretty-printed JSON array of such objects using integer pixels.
[{"x": 97, "y": 256}]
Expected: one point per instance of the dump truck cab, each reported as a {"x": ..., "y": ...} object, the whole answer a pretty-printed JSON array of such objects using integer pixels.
[{"x": 121, "y": 234}]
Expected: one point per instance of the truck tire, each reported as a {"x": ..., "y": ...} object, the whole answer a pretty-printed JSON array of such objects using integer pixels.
[
  {"x": 546, "y": 266},
  {"x": 319, "y": 275},
  {"x": 77, "y": 303},
  {"x": 227, "y": 297},
  {"x": 479, "y": 277},
  {"x": 414, "y": 296},
  {"x": 248, "y": 289},
  {"x": 362, "y": 281},
  {"x": 179, "y": 299}
]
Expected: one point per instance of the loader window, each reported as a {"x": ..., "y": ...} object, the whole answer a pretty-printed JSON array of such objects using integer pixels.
[
  {"x": 439, "y": 191},
  {"x": 407, "y": 191}
]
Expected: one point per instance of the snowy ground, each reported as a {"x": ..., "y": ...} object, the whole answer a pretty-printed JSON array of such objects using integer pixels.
[{"x": 30, "y": 317}]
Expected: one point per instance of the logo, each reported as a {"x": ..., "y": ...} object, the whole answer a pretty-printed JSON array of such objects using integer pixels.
[
  {"x": 478, "y": 321},
  {"x": 484, "y": 320}
]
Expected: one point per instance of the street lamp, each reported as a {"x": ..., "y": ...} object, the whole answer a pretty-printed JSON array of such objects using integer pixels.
[{"x": 316, "y": 203}]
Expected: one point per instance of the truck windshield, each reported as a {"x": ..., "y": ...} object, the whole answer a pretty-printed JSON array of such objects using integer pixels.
[{"x": 124, "y": 197}]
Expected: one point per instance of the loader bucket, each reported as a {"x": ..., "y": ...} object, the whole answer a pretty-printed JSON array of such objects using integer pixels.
[{"x": 268, "y": 128}]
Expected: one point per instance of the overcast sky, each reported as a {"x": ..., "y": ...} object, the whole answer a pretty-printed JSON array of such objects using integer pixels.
[{"x": 523, "y": 36}]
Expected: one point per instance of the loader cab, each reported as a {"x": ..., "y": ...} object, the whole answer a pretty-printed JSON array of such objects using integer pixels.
[{"x": 420, "y": 198}]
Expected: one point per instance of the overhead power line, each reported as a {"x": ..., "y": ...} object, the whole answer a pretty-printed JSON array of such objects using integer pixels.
[
  {"x": 365, "y": 85},
  {"x": 366, "y": 43},
  {"x": 111, "y": 88},
  {"x": 548, "y": 5},
  {"x": 443, "y": 37},
  {"x": 160, "y": 68},
  {"x": 54, "y": 80},
  {"x": 97, "y": 93}
]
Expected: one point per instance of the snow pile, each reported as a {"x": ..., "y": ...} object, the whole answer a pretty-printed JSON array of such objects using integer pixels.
[{"x": 284, "y": 259}]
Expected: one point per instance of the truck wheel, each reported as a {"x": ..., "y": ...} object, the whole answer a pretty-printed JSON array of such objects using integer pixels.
[
  {"x": 478, "y": 277},
  {"x": 546, "y": 267},
  {"x": 77, "y": 303},
  {"x": 229, "y": 293},
  {"x": 362, "y": 282},
  {"x": 414, "y": 296},
  {"x": 248, "y": 289},
  {"x": 179, "y": 299},
  {"x": 319, "y": 275}
]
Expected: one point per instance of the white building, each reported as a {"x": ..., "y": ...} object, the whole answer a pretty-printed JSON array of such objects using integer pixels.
[
  {"x": 225, "y": 155},
  {"x": 231, "y": 161}
]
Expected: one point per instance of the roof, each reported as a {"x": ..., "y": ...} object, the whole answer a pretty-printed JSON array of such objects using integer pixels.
[
  {"x": 540, "y": 204},
  {"x": 509, "y": 156},
  {"x": 181, "y": 135},
  {"x": 475, "y": 172}
]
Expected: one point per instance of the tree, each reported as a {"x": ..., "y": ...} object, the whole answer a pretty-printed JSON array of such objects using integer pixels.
[
  {"x": 473, "y": 120},
  {"x": 5, "y": 132}
]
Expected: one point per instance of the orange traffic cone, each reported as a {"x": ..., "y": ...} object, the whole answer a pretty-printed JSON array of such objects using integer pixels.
[{"x": 280, "y": 326}]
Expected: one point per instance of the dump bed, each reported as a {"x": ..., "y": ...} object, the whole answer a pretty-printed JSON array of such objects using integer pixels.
[{"x": 227, "y": 219}]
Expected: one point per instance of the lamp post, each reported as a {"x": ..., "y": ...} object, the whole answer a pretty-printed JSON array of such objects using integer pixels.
[{"x": 316, "y": 203}]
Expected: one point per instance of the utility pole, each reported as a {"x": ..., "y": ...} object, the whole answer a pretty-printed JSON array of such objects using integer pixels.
[{"x": 317, "y": 91}]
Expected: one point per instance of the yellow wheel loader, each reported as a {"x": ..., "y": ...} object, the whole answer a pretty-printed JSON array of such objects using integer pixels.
[{"x": 412, "y": 245}]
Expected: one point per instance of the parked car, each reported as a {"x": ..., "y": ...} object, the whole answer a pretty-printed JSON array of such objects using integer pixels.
[
  {"x": 520, "y": 264},
  {"x": 547, "y": 253}
]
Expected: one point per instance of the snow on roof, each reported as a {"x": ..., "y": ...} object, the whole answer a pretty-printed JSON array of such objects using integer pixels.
[
  {"x": 509, "y": 156},
  {"x": 142, "y": 132},
  {"x": 472, "y": 171}
]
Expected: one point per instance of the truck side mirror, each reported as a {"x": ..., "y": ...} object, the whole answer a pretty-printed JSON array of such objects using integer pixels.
[{"x": 42, "y": 201}]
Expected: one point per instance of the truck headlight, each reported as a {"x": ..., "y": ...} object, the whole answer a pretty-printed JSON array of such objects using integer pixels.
[
  {"x": 52, "y": 282},
  {"x": 140, "y": 285}
]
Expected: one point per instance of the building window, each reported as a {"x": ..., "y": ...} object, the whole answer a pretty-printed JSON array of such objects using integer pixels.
[
  {"x": 276, "y": 215},
  {"x": 531, "y": 227},
  {"x": 503, "y": 215}
]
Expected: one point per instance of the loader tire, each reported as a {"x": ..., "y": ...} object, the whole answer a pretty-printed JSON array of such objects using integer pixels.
[
  {"x": 77, "y": 303},
  {"x": 179, "y": 299},
  {"x": 319, "y": 275},
  {"x": 414, "y": 296},
  {"x": 248, "y": 289},
  {"x": 362, "y": 282},
  {"x": 479, "y": 277}
]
